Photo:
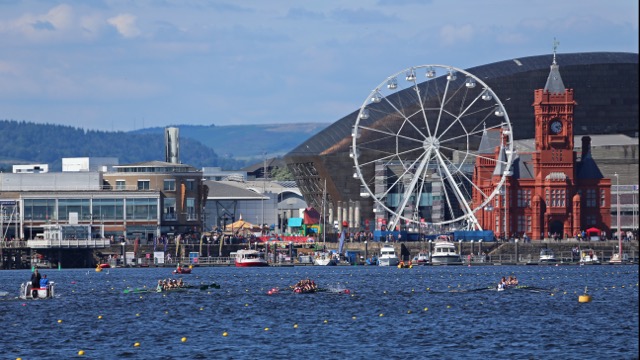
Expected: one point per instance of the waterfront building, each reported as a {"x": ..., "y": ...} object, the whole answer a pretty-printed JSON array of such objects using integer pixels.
[{"x": 551, "y": 191}]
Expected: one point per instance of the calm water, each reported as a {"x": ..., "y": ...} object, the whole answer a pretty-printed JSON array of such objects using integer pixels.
[{"x": 390, "y": 313}]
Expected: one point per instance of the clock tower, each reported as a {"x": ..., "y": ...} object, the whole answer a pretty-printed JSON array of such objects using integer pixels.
[{"x": 553, "y": 110}]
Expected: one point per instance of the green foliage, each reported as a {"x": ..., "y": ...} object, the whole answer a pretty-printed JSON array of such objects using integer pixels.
[{"x": 281, "y": 174}]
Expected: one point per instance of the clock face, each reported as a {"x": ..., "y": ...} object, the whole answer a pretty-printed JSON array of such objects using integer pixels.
[{"x": 556, "y": 126}]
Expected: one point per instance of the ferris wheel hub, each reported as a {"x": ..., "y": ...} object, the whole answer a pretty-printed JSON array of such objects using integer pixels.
[{"x": 431, "y": 143}]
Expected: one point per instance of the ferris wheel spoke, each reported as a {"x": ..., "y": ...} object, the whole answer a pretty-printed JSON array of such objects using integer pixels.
[
  {"x": 458, "y": 117},
  {"x": 406, "y": 118},
  {"x": 390, "y": 156},
  {"x": 497, "y": 161},
  {"x": 465, "y": 177},
  {"x": 449, "y": 207},
  {"x": 442, "y": 104},
  {"x": 475, "y": 131},
  {"x": 390, "y": 134},
  {"x": 399, "y": 178}
]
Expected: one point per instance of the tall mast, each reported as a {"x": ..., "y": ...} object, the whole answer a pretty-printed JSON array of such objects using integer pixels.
[{"x": 324, "y": 218}]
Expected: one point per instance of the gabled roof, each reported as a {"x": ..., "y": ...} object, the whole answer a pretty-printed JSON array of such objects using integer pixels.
[
  {"x": 489, "y": 141},
  {"x": 522, "y": 166},
  {"x": 588, "y": 169}
]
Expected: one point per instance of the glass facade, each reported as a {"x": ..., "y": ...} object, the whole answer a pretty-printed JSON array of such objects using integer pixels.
[
  {"x": 100, "y": 209},
  {"x": 142, "y": 209},
  {"x": 40, "y": 209},
  {"x": 108, "y": 209}
]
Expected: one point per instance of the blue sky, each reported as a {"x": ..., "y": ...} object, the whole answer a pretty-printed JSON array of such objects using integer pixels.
[{"x": 123, "y": 65}]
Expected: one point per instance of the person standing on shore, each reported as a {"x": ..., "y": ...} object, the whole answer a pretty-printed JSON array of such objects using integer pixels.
[{"x": 35, "y": 283}]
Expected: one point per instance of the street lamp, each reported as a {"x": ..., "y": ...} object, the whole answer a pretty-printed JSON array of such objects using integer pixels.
[
  {"x": 618, "y": 215},
  {"x": 124, "y": 258}
]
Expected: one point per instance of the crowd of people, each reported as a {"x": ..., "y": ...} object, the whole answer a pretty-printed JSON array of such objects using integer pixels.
[{"x": 168, "y": 284}]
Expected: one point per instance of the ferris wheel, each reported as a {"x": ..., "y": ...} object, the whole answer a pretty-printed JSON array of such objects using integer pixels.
[{"x": 417, "y": 140}]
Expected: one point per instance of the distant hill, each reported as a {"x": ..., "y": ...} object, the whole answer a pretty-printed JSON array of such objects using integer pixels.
[
  {"x": 228, "y": 147},
  {"x": 246, "y": 142},
  {"x": 27, "y": 143}
]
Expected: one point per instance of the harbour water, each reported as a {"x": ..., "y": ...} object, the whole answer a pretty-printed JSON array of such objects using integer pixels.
[{"x": 423, "y": 312}]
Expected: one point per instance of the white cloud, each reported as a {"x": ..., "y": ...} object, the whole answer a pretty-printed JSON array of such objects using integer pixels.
[
  {"x": 125, "y": 24},
  {"x": 450, "y": 34}
]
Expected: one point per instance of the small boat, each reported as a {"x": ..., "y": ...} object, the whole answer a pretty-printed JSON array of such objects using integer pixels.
[
  {"x": 250, "y": 258},
  {"x": 388, "y": 256},
  {"x": 26, "y": 292},
  {"x": 324, "y": 259},
  {"x": 589, "y": 257},
  {"x": 421, "y": 259},
  {"x": 615, "y": 259},
  {"x": 547, "y": 257},
  {"x": 445, "y": 254},
  {"x": 181, "y": 270}
]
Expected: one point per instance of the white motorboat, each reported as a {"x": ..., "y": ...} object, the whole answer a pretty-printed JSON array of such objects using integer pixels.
[
  {"x": 26, "y": 292},
  {"x": 388, "y": 256},
  {"x": 547, "y": 256},
  {"x": 250, "y": 258},
  {"x": 589, "y": 257},
  {"x": 421, "y": 259},
  {"x": 445, "y": 254},
  {"x": 324, "y": 259}
]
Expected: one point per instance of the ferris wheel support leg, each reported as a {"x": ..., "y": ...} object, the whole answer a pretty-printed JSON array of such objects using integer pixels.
[
  {"x": 409, "y": 189},
  {"x": 456, "y": 190}
]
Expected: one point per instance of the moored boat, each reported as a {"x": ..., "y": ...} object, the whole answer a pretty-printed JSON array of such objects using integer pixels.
[
  {"x": 26, "y": 292},
  {"x": 589, "y": 257},
  {"x": 388, "y": 256},
  {"x": 547, "y": 256},
  {"x": 421, "y": 259},
  {"x": 250, "y": 258},
  {"x": 324, "y": 259},
  {"x": 445, "y": 254}
]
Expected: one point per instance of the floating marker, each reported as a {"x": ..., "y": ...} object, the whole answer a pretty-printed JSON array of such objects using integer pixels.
[
  {"x": 184, "y": 339},
  {"x": 426, "y": 309},
  {"x": 295, "y": 326},
  {"x": 99, "y": 316},
  {"x": 224, "y": 333},
  {"x": 59, "y": 321},
  {"x": 266, "y": 329},
  {"x": 81, "y": 352},
  {"x": 136, "y": 344}
]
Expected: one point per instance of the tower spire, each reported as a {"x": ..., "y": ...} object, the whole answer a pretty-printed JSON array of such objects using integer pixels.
[{"x": 554, "y": 83}]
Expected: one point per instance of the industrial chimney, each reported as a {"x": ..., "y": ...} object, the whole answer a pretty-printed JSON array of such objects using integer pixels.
[{"x": 171, "y": 145}]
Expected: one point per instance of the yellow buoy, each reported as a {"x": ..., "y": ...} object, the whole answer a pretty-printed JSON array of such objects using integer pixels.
[
  {"x": 266, "y": 329},
  {"x": 184, "y": 339},
  {"x": 224, "y": 333},
  {"x": 99, "y": 316},
  {"x": 136, "y": 344},
  {"x": 295, "y": 326},
  {"x": 81, "y": 352},
  {"x": 584, "y": 298}
]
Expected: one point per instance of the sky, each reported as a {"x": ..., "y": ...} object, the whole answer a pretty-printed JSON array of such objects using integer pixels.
[{"x": 116, "y": 65}]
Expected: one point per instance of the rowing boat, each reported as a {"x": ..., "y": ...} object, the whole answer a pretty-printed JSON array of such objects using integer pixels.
[{"x": 181, "y": 288}]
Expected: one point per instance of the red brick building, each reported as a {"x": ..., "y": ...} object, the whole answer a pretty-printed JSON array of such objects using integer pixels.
[{"x": 550, "y": 191}]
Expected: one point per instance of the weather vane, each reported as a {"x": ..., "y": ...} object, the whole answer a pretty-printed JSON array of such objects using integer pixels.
[{"x": 555, "y": 47}]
